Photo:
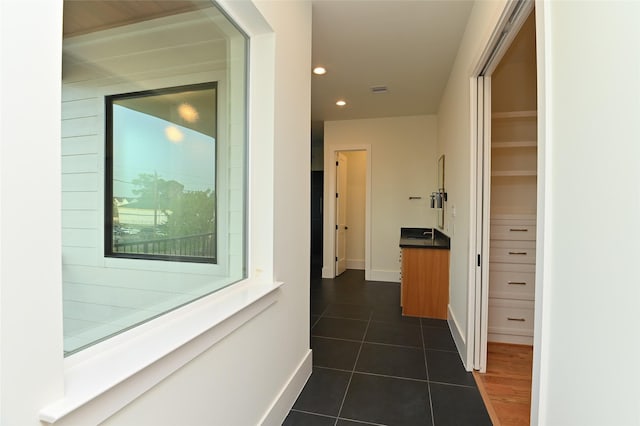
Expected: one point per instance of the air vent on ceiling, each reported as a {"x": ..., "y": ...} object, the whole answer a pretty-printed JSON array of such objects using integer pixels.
[{"x": 379, "y": 89}]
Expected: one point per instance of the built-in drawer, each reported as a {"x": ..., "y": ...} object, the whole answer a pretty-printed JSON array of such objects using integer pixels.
[
  {"x": 512, "y": 281},
  {"x": 514, "y": 317},
  {"x": 512, "y": 230},
  {"x": 512, "y": 251}
]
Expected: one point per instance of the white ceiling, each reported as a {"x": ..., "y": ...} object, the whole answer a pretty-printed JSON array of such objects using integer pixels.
[{"x": 408, "y": 46}]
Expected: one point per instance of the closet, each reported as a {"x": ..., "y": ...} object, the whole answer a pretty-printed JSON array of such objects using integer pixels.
[{"x": 512, "y": 246}]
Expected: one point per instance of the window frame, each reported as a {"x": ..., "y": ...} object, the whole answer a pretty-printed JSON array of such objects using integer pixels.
[
  {"x": 108, "y": 174},
  {"x": 232, "y": 252},
  {"x": 86, "y": 381}
]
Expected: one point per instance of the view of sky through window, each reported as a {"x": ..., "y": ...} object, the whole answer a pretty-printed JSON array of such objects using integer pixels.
[{"x": 144, "y": 144}]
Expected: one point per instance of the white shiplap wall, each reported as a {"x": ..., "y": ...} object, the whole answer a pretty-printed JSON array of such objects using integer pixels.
[{"x": 105, "y": 295}]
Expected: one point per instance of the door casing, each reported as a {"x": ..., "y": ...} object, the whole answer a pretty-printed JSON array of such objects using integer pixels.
[
  {"x": 329, "y": 243},
  {"x": 341, "y": 212},
  {"x": 512, "y": 19}
]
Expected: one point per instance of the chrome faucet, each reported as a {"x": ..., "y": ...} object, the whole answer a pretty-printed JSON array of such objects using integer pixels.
[{"x": 433, "y": 234}]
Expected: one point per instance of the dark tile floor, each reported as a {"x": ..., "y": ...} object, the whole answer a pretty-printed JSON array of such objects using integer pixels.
[{"x": 372, "y": 366}]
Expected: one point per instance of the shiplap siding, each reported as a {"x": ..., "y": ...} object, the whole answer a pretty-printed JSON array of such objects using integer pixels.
[{"x": 103, "y": 296}]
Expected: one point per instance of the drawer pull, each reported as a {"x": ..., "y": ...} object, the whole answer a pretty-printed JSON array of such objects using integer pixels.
[
  {"x": 520, "y": 253},
  {"x": 516, "y": 283},
  {"x": 516, "y": 319},
  {"x": 518, "y": 230}
]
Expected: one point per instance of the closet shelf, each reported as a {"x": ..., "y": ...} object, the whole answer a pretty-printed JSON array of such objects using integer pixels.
[
  {"x": 507, "y": 173},
  {"x": 514, "y": 144},
  {"x": 514, "y": 114}
]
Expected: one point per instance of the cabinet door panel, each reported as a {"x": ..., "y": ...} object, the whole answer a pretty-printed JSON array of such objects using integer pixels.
[
  {"x": 511, "y": 317},
  {"x": 425, "y": 282},
  {"x": 507, "y": 283},
  {"x": 512, "y": 251},
  {"x": 518, "y": 232}
]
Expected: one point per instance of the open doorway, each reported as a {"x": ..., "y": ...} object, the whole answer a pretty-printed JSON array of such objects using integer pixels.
[
  {"x": 347, "y": 206},
  {"x": 317, "y": 194},
  {"x": 506, "y": 216},
  {"x": 351, "y": 201}
]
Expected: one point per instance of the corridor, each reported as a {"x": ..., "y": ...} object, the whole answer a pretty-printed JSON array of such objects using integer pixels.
[{"x": 371, "y": 366}]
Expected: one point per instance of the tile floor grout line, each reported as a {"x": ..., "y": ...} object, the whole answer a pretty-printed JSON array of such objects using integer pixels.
[
  {"x": 336, "y": 338},
  {"x": 332, "y": 369},
  {"x": 440, "y": 350},
  {"x": 324, "y": 311},
  {"x": 426, "y": 366},
  {"x": 313, "y": 413},
  {"x": 314, "y": 324},
  {"x": 344, "y": 398},
  {"x": 318, "y": 319},
  {"x": 361, "y": 421},
  {"x": 458, "y": 385},
  {"x": 368, "y": 373},
  {"x": 376, "y": 343},
  {"x": 344, "y": 318},
  {"x": 413, "y": 379}
]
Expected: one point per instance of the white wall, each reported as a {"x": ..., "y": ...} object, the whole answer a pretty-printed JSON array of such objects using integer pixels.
[
  {"x": 234, "y": 382},
  {"x": 30, "y": 290},
  {"x": 454, "y": 134},
  {"x": 356, "y": 205},
  {"x": 587, "y": 346},
  {"x": 587, "y": 293},
  {"x": 403, "y": 164}
]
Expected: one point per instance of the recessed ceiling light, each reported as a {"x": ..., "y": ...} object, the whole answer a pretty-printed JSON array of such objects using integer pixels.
[
  {"x": 319, "y": 70},
  {"x": 341, "y": 103}
]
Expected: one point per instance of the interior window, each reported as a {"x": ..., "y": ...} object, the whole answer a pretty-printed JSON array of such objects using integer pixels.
[{"x": 153, "y": 161}]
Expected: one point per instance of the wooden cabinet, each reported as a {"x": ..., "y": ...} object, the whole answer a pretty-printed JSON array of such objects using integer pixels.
[{"x": 425, "y": 282}]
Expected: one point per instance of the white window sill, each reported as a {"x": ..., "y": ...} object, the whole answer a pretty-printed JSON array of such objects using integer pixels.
[{"x": 142, "y": 354}]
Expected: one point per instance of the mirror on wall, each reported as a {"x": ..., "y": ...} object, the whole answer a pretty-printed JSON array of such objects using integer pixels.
[{"x": 442, "y": 195}]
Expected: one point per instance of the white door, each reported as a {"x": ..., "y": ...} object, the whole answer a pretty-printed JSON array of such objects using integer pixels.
[
  {"x": 483, "y": 195},
  {"x": 341, "y": 213}
]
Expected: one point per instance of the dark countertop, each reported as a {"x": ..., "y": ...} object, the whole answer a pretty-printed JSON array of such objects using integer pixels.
[{"x": 415, "y": 238}]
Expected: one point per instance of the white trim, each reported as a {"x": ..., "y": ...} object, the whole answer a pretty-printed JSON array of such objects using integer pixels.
[
  {"x": 329, "y": 208},
  {"x": 458, "y": 337},
  {"x": 472, "y": 290},
  {"x": 284, "y": 401},
  {"x": 513, "y": 339},
  {"x": 483, "y": 290},
  {"x": 327, "y": 271},
  {"x": 139, "y": 359},
  {"x": 490, "y": 56},
  {"x": 544, "y": 260},
  {"x": 385, "y": 275},
  {"x": 356, "y": 264}
]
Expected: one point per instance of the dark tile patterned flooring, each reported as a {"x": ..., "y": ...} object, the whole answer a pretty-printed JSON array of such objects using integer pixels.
[{"x": 372, "y": 366}]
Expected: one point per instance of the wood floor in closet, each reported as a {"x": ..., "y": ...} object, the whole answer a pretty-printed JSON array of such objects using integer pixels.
[{"x": 506, "y": 386}]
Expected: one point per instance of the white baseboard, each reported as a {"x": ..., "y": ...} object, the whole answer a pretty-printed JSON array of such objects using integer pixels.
[
  {"x": 510, "y": 338},
  {"x": 458, "y": 337},
  {"x": 280, "y": 407},
  {"x": 326, "y": 273},
  {"x": 388, "y": 276},
  {"x": 355, "y": 264}
]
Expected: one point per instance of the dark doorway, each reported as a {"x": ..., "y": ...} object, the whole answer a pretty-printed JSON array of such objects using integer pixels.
[{"x": 317, "y": 185}]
